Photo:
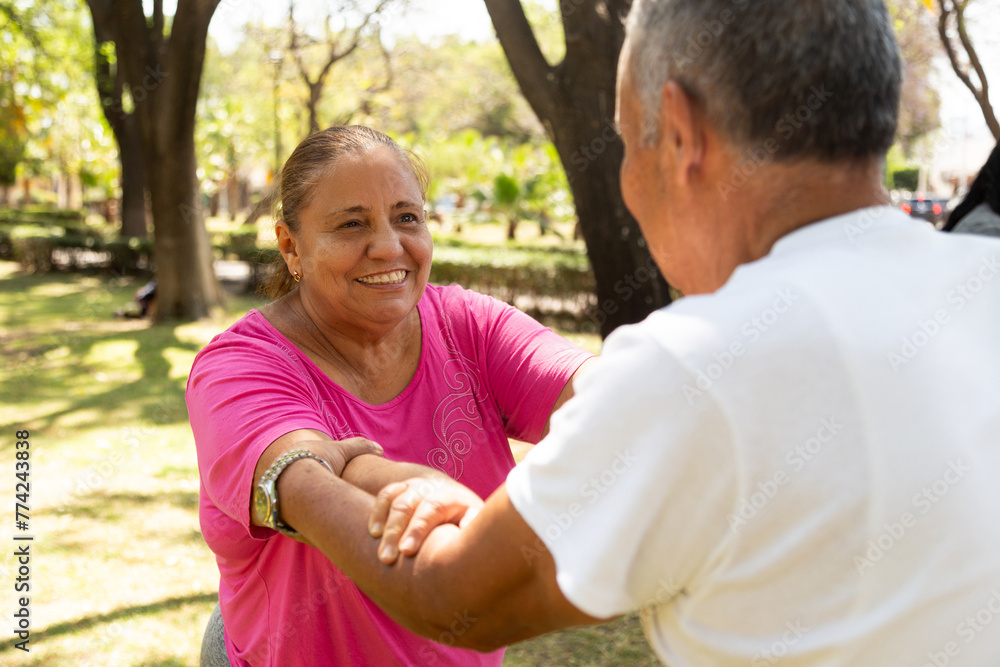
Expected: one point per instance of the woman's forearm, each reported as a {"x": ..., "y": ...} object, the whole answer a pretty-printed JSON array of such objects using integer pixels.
[
  {"x": 333, "y": 514},
  {"x": 372, "y": 473}
]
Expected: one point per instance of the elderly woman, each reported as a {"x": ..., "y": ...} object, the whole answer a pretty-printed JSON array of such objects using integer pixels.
[{"x": 356, "y": 349}]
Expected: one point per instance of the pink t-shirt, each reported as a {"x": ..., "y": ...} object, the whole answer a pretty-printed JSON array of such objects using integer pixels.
[{"x": 486, "y": 372}]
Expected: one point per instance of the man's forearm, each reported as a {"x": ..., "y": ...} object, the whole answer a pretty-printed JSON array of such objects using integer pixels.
[{"x": 477, "y": 574}]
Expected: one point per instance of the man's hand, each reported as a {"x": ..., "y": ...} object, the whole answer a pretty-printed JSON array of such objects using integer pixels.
[{"x": 406, "y": 512}]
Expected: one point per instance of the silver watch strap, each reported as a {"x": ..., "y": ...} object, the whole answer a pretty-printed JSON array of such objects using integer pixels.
[{"x": 276, "y": 469}]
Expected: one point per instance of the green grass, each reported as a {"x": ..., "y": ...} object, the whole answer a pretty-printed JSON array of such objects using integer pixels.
[{"x": 119, "y": 572}]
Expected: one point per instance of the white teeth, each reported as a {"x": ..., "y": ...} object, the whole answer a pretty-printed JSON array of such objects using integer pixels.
[{"x": 391, "y": 278}]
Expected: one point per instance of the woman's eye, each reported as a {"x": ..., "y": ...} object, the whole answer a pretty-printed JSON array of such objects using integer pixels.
[
  {"x": 408, "y": 217},
  {"x": 352, "y": 223}
]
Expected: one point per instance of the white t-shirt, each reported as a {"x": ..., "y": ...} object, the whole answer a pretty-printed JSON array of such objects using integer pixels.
[{"x": 802, "y": 468}]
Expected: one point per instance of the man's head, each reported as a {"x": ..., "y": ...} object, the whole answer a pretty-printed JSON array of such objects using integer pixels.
[
  {"x": 822, "y": 77},
  {"x": 746, "y": 114}
]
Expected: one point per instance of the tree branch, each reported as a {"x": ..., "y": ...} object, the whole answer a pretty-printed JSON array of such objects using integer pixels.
[
  {"x": 387, "y": 58},
  {"x": 970, "y": 50},
  {"x": 981, "y": 93},
  {"x": 294, "y": 47},
  {"x": 158, "y": 24},
  {"x": 533, "y": 73}
]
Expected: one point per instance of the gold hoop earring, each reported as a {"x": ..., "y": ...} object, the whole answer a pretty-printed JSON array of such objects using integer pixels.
[{"x": 295, "y": 274}]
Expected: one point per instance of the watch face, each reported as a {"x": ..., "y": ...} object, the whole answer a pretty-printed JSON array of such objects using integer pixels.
[{"x": 262, "y": 505}]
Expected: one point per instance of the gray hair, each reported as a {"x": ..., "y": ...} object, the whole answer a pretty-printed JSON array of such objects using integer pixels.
[{"x": 815, "y": 79}]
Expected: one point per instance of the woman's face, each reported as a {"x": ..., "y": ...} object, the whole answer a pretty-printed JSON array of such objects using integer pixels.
[{"x": 363, "y": 247}]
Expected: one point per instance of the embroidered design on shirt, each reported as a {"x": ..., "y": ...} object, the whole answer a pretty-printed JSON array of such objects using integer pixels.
[
  {"x": 339, "y": 428},
  {"x": 457, "y": 420}
]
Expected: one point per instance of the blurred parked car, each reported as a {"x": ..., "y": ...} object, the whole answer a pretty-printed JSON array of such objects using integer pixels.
[{"x": 932, "y": 208}]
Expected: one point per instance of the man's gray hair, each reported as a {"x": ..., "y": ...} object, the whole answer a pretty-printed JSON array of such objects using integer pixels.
[{"x": 800, "y": 79}]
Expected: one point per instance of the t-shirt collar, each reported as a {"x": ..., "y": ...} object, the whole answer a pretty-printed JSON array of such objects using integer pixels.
[{"x": 844, "y": 227}]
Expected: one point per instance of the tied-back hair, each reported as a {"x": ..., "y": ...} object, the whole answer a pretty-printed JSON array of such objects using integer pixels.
[
  {"x": 984, "y": 190},
  {"x": 800, "y": 80},
  {"x": 306, "y": 166}
]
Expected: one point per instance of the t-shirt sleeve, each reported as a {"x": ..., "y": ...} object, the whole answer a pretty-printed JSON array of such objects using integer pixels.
[
  {"x": 242, "y": 395},
  {"x": 525, "y": 364},
  {"x": 631, "y": 488}
]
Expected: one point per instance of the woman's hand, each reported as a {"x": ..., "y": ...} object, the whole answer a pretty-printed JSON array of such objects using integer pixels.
[{"x": 406, "y": 512}]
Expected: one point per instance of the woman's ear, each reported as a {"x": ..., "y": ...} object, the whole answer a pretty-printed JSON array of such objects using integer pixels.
[{"x": 287, "y": 246}]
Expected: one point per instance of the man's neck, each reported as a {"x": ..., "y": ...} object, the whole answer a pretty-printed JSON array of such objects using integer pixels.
[{"x": 778, "y": 200}]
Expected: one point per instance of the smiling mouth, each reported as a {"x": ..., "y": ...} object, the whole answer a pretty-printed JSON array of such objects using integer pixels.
[{"x": 390, "y": 278}]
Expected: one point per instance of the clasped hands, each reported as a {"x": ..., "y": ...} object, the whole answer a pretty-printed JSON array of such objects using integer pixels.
[{"x": 405, "y": 512}]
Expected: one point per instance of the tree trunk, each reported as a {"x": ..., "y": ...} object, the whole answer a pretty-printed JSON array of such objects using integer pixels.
[
  {"x": 186, "y": 285},
  {"x": 233, "y": 203},
  {"x": 110, "y": 88},
  {"x": 575, "y": 100},
  {"x": 133, "y": 208},
  {"x": 315, "y": 94},
  {"x": 164, "y": 74}
]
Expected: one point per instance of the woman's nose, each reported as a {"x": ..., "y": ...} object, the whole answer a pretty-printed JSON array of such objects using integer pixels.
[{"x": 385, "y": 242}]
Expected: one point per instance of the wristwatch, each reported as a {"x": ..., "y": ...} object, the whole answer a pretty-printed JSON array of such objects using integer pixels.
[{"x": 265, "y": 496}]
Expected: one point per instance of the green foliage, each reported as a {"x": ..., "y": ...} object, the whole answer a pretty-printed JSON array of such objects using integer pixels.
[
  {"x": 13, "y": 134},
  {"x": 905, "y": 179},
  {"x": 48, "y": 66},
  {"x": 506, "y": 191}
]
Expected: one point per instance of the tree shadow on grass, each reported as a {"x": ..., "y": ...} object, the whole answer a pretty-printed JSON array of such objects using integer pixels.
[
  {"x": 98, "y": 505},
  {"x": 53, "y": 324},
  {"x": 87, "y": 622},
  {"x": 130, "y": 517},
  {"x": 158, "y": 397}
]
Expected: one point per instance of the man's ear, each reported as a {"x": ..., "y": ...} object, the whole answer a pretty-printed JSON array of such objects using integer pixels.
[
  {"x": 287, "y": 246},
  {"x": 682, "y": 142}
]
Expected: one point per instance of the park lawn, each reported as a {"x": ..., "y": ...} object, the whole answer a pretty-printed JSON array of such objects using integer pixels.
[{"x": 119, "y": 572}]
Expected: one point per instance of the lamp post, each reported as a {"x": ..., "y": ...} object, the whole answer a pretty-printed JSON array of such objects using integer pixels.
[{"x": 276, "y": 58}]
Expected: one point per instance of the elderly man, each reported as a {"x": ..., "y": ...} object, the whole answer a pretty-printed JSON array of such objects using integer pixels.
[{"x": 795, "y": 462}]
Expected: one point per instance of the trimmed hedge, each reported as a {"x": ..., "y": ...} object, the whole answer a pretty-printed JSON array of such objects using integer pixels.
[
  {"x": 539, "y": 280},
  {"x": 42, "y": 250}
]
